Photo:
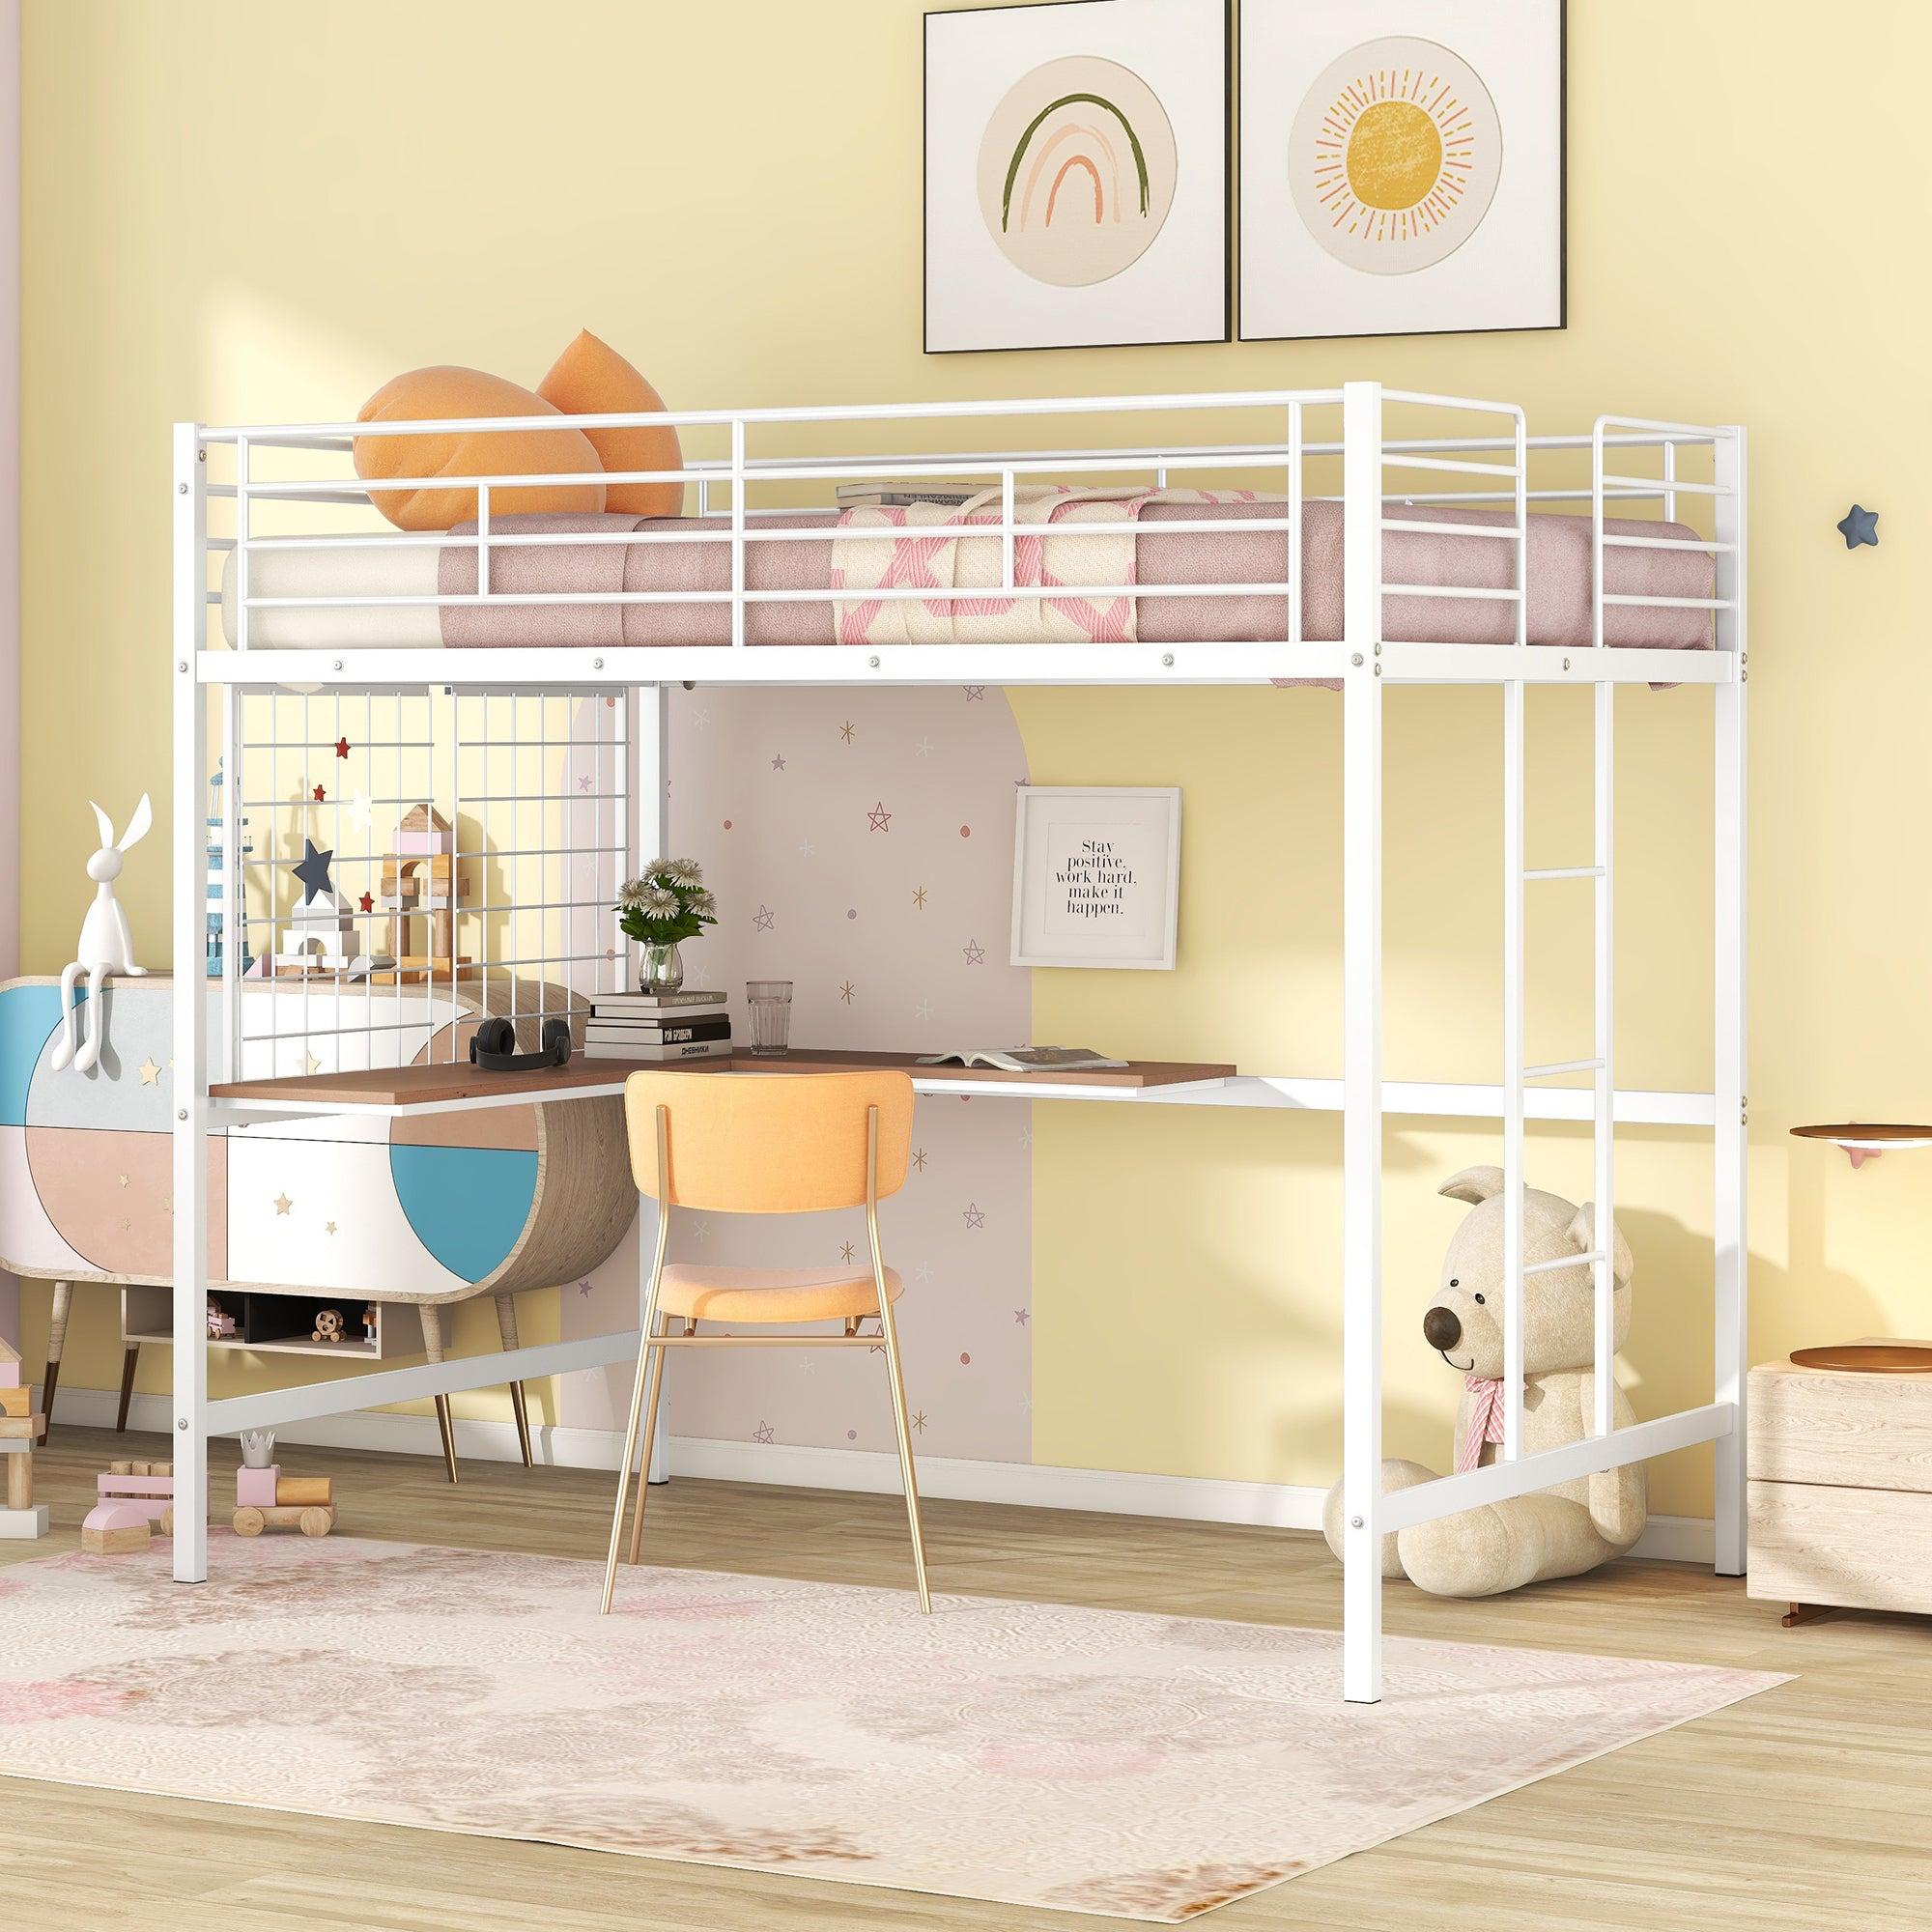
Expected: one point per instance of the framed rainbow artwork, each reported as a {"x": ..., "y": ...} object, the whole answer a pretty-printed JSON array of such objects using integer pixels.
[
  {"x": 1402, "y": 166},
  {"x": 1076, "y": 176}
]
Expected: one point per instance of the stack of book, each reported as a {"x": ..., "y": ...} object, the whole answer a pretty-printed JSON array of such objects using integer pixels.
[
  {"x": 658, "y": 1026},
  {"x": 898, "y": 495}
]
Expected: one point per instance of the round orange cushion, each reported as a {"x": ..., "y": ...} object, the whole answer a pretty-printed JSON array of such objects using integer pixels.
[
  {"x": 450, "y": 392},
  {"x": 591, "y": 379}
]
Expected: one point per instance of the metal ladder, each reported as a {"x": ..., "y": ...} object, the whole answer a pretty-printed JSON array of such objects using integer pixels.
[{"x": 1516, "y": 1075}]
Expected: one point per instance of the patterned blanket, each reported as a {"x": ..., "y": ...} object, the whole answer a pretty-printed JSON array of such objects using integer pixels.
[{"x": 918, "y": 547}]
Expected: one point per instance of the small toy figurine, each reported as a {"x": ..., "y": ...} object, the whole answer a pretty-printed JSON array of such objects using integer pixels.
[
  {"x": 369, "y": 1325},
  {"x": 106, "y": 945},
  {"x": 328, "y": 1325}
]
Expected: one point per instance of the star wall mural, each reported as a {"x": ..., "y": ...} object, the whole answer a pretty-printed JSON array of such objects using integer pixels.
[{"x": 838, "y": 834}]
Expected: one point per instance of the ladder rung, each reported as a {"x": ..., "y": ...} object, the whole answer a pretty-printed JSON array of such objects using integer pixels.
[
  {"x": 1561, "y": 1066},
  {"x": 1562, "y": 1261},
  {"x": 1565, "y": 873}
]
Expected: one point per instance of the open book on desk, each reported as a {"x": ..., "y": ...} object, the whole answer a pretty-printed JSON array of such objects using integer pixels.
[{"x": 1027, "y": 1060}]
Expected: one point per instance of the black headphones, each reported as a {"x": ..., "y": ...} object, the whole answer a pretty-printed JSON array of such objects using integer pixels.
[{"x": 493, "y": 1045}]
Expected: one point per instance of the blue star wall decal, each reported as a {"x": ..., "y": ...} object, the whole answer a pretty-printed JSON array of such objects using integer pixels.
[
  {"x": 312, "y": 870},
  {"x": 1859, "y": 526}
]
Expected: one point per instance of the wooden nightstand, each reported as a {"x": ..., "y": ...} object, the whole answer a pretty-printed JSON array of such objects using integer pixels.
[{"x": 1841, "y": 1489}]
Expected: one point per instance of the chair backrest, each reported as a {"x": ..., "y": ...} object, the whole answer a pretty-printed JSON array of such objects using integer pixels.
[{"x": 769, "y": 1143}]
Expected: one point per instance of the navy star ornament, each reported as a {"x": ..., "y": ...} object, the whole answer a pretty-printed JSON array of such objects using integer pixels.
[
  {"x": 1859, "y": 526},
  {"x": 313, "y": 871}
]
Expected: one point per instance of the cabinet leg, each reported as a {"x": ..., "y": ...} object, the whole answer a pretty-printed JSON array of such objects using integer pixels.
[
  {"x": 1806, "y": 1613},
  {"x": 63, "y": 1305},
  {"x": 435, "y": 1341},
  {"x": 447, "y": 1425},
  {"x": 506, "y": 1327},
  {"x": 131, "y": 1358}
]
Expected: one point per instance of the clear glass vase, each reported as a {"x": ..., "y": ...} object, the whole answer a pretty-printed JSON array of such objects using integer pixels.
[{"x": 660, "y": 968}]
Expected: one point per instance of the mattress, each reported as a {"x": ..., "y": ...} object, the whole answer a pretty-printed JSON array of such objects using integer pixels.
[{"x": 1150, "y": 547}]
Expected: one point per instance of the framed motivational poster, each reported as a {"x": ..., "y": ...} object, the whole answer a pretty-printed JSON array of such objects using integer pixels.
[{"x": 1097, "y": 875}]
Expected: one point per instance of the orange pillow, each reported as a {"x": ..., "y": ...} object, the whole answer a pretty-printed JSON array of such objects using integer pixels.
[
  {"x": 449, "y": 392},
  {"x": 591, "y": 379}
]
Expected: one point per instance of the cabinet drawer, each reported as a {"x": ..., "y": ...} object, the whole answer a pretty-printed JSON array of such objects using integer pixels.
[
  {"x": 1867, "y": 1549},
  {"x": 1864, "y": 1432}
]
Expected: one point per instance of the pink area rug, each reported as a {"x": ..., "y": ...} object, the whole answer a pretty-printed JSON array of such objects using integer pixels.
[{"x": 1036, "y": 1754}]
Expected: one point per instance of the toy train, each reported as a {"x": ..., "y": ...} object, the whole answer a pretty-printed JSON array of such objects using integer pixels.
[{"x": 134, "y": 1498}]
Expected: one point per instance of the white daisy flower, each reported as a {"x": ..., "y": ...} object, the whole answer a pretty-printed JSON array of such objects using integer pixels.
[{"x": 686, "y": 872}]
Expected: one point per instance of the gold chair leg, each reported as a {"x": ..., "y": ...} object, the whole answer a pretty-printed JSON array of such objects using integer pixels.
[
  {"x": 646, "y": 1331},
  {"x": 889, "y": 1328},
  {"x": 889, "y": 1331},
  {"x": 650, "y": 1436}
]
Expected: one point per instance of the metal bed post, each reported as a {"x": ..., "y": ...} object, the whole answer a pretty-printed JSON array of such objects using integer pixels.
[
  {"x": 1362, "y": 1031},
  {"x": 1731, "y": 1300},
  {"x": 190, "y": 1012},
  {"x": 1515, "y": 998}
]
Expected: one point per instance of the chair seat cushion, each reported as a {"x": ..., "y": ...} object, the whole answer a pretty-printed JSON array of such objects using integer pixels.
[{"x": 770, "y": 1294}]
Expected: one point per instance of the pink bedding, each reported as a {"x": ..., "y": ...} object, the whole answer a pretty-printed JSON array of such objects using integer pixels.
[{"x": 1164, "y": 552}]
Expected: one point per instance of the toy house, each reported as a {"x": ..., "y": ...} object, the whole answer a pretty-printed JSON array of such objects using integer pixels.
[{"x": 422, "y": 882}]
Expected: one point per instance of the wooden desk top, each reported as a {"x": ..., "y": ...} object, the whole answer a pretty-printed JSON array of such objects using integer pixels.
[{"x": 444, "y": 1082}]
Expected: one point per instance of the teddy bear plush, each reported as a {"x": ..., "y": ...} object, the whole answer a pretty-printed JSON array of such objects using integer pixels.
[{"x": 1557, "y": 1532}]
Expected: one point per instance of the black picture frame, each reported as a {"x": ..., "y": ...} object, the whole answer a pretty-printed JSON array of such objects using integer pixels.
[
  {"x": 1239, "y": 332},
  {"x": 1228, "y": 209}
]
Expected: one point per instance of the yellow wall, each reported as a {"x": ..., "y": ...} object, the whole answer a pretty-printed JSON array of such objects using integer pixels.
[{"x": 238, "y": 211}]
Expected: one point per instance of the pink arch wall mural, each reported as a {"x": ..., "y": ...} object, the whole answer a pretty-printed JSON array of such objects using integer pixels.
[{"x": 861, "y": 846}]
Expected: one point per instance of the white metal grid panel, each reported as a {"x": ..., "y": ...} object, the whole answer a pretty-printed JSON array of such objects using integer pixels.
[{"x": 527, "y": 793}]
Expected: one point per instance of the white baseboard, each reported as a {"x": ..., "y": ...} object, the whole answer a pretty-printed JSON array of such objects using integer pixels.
[{"x": 1670, "y": 1538}]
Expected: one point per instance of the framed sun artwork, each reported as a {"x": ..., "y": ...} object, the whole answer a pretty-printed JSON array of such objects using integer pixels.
[
  {"x": 1076, "y": 175},
  {"x": 1402, "y": 166}
]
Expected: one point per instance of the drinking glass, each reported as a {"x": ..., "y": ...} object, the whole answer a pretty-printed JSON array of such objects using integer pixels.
[{"x": 770, "y": 1004}]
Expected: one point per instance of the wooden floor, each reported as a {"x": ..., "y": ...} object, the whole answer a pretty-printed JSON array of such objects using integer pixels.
[{"x": 1808, "y": 1807}]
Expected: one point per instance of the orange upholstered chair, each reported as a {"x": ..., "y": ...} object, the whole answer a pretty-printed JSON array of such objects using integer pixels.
[{"x": 765, "y": 1144}]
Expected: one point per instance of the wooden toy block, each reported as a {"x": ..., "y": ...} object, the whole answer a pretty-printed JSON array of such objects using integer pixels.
[
  {"x": 15, "y": 1401},
  {"x": 147, "y": 1487},
  {"x": 298, "y": 1492},
  {"x": 10, "y": 1371},
  {"x": 19, "y": 1481},
  {"x": 255, "y": 1488},
  {"x": 25, "y": 1525},
  {"x": 413, "y": 969},
  {"x": 22, "y": 1427},
  {"x": 422, "y": 828},
  {"x": 311, "y": 1522},
  {"x": 114, "y": 1529}
]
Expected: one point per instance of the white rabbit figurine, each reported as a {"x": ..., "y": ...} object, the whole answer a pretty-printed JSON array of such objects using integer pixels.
[{"x": 106, "y": 945}]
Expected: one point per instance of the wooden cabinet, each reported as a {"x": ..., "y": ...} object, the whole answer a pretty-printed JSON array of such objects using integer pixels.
[{"x": 1841, "y": 1489}]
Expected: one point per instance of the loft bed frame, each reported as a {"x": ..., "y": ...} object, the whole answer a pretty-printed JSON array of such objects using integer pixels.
[{"x": 1487, "y": 464}]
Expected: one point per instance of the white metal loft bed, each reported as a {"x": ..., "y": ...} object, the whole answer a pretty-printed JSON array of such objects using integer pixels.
[{"x": 1490, "y": 464}]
